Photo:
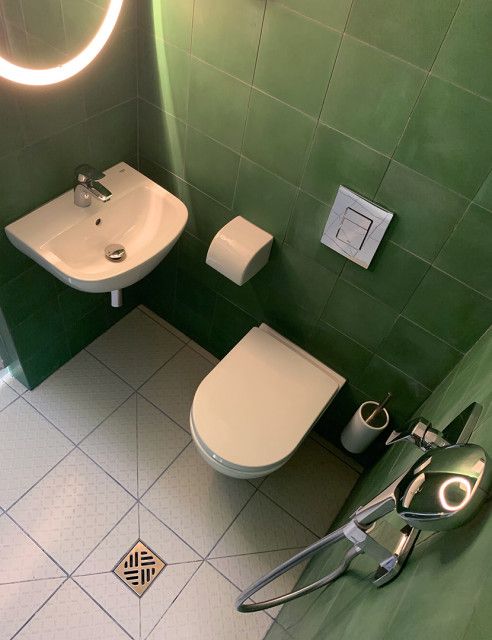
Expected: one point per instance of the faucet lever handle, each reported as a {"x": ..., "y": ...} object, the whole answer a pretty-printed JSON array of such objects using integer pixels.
[{"x": 87, "y": 173}]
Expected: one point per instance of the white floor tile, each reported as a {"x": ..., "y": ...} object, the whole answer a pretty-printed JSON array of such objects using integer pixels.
[
  {"x": 135, "y": 347},
  {"x": 29, "y": 447},
  {"x": 72, "y": 509},
  {"x": 135, "y": 444},
  {"x": 246, "y": 569},
  {"x": 172, "y": 388},
  {"x": 21, "y": 559},
  {"x": 113, "y": 445},
  {"x": 203, "y": 352},
  {"x": 115, "y": 598},
  {"x": 19, "y": 601},
  {"x": 79, "y": 396},
  {"x": 160, "y": 440},
  {"x": 163, "y": 541},
  {"x": 195, "y": 501},
  {"x": 7, "y": 394},
  {"x": 205, "y": 611},
  {"x": 262, "y": 526},
  {"x": 71, "y": 614},
  {"x": 312, "y": 486},
  {"x": 176, "y": 332}
]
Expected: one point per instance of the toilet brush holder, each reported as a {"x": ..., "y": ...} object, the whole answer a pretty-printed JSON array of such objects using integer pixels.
[{"x": 358, "y": 434}]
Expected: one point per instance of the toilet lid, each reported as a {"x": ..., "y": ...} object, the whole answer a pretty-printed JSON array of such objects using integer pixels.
[{"x": 254, "y": 408}]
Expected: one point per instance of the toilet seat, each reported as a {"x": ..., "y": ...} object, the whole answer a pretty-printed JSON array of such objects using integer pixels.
[{"x": 255, "y": 407}]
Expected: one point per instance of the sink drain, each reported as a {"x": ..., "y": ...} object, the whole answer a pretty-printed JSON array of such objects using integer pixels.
[{"x": 115, "y": 252}]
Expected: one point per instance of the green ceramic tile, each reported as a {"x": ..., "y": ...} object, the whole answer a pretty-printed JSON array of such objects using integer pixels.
[
  {"x": 386, "y": 86},
  {"x": 333, "y": 13},
  {"x": 229, "y": 326},
  {"x": 358, "y": 315},
  {"x": 393, "y": 276},
  {"x": 211, "y": 167},
  {"x": 218, "y": 104},
  {"x": 15, "y": 196},
  {"x": 425, "y": 212},
  {"x": 44, "y": 326},
  {"x": 286, "y": 67},
  {"x": 277, "y": 136},
  {"x": 163, "y": 280},
  {"x": 308, "y": 284},
  {"x": 168, "y": 20},
  {"x": 418, "y": 353},
  {"x": 50, "y": 31},
  {"x": 36, "y": 285},
  {"x": 205, "y": 216},
  {"x": 192, "y": 254},
  {"x": 380, "y": 377},
  {"x": 87, "y": 328},
  {"x": 162, "y": 137},
  {"x": 106, "y": 148},
  {"x": 484, "y": 196},
  {"x": 346, "y": 357},
  {"x": 12, "y": 261},
  {"x": 338, "y": 160},
  {"x": 410, "y": 30},
  {"x": 52, "y": 162},
  {"x": 11, "y": 133},
  {"x": 194, "y": 309},
  {"x": 466, "y": 255},
  {"x": 447, "y": 137},
  {"x": 81, "y": 20},
  {"x": 45, "y": 361},
  {"x": 226, "y": 34},
  {"x": 306, "y": 227},
  {"x": 112, "y": 78},
  {"x": 163, "y": 76},
  {"x": 264, "y": 199},
  {"x": 450, "y": 310},
  {"x": 467, "y": 46},
  {"x": 74, "y": 304},
  {"x": 46, "y": 111}
]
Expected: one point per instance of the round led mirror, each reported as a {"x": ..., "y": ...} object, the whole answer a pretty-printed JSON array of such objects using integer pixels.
[{"x": 46, "y": 41}]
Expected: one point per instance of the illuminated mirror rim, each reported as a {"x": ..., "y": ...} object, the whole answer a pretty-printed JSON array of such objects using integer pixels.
[{"x": 52, "y": 75}]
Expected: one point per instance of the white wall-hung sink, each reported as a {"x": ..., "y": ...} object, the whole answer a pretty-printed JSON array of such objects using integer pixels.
[{"x": 71, "y": 242}]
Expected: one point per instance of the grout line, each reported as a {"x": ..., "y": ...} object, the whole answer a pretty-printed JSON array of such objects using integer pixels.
[
  {"x": 255, "y": 553},
  {"x": 317, "y": 535},
  {"x": 39, "y": 609},
  {"x": 89, "y": 595}
]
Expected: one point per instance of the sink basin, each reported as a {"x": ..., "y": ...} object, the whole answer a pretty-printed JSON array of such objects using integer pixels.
[{"x": 70, "y": 241}]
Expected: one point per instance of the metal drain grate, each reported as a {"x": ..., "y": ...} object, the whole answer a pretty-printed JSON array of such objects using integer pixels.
[{"x": 139, "y": 568}]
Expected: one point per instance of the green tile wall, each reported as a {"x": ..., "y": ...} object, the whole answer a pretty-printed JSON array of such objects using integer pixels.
[
  {"x": 44, "y": 134},
  {"x": 263, "y": 108},
  {"x": 444, "y": 589}
]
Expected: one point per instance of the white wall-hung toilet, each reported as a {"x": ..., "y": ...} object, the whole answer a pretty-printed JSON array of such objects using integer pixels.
[{"x": 256, "y": 406}]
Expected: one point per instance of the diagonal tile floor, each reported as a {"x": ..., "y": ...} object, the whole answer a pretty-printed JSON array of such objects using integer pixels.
[{"x": 98, "y": 457}]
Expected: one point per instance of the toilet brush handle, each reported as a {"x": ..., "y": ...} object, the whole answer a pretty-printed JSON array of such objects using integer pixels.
[{"x": 378, "y": 409}]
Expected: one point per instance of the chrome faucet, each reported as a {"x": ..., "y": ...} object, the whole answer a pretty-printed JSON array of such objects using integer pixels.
[{"x": 87, "y": 185}]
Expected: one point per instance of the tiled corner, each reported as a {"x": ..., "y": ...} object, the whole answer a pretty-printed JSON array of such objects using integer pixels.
[
  {"x": 71, "y": 509},
  {"x": 201, "y": 508},
  {"x": 135, "y": 444},
  {"x": 173, "y": 387},
  {"x": 137, "y": 360},
  {"x": 31, "y": 446},
  {"x": 312, "y": 486},
  {"x": 71, "y": 613},
  {"x": 214, "y": 617},
  {"x": 79, "y": 396}
]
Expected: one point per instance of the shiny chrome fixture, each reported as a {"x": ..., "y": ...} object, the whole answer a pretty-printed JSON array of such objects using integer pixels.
[
  {"x": 87, "y": 185},
  {"x": 442, "y": 490}
]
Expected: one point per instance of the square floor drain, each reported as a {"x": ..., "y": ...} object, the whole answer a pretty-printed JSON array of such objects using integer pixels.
[{"x": 139, "y": 568}]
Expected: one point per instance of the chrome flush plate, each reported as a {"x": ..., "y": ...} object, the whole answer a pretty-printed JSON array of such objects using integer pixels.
[{"x": 139, "y": 568}]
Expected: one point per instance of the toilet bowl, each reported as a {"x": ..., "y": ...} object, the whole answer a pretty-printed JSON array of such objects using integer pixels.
[{"x": 252, "y": 411}]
